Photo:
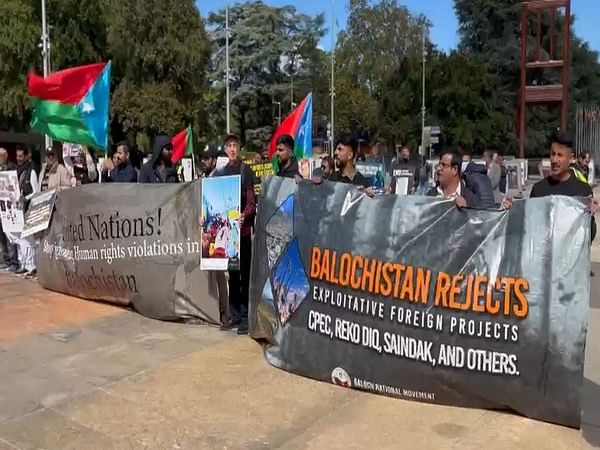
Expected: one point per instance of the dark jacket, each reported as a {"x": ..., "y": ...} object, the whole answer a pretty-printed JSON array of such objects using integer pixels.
[
  {"x": 478, "y": 183},
  {"x": 476, "y": 188},
  {"x": 125, "y": 174},
  {"x": 149, "y": 172},
  {"x": 291, "y": 171}
]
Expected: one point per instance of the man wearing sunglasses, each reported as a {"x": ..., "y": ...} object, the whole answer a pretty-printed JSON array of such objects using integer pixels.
[{"x": 160, "y": 169}]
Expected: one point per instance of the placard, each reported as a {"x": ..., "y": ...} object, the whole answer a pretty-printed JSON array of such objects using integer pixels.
[
  {"x": 11, "y": 211},
  {"x": 38, "y": 215},
  {"x": 220, "y": 236}
]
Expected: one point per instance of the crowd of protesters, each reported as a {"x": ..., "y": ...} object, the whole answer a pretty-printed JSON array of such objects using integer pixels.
[{"x": 468, "y": 183}]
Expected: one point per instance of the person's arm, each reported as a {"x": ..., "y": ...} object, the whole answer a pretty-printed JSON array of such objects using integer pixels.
[
  {"x": 65, "y": 178},
  {"x": 250, "y": 209},
  {"x": 68, "y": 162},
  {"x": 132, "y": 175},
  {"x": 91, "y": 167},
  {"x": 33, "y": 179}
]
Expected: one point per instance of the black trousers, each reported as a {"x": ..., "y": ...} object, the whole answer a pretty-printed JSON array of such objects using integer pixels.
[
  {"x": 239, "y": 282},
  {"x": 9, "y": 251}
]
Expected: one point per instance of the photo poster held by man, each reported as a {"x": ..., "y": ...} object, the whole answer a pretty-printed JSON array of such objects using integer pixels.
[
  {"x": 11, "y": 211},
  {"x": 461, "y": 307},
  {"x": 220, "y": 236},
  {"x": 131, "y": 244},
  {"x": 39, "y": 213},
  {"x": 374, "y": 172}
]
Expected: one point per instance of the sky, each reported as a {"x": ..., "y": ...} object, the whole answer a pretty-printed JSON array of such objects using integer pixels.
[{"x": 439, "y": 12}]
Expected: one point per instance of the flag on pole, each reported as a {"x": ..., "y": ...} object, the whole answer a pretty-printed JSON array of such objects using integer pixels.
[
  {"x": 182, "y": 144},
  {"x": 71, "y": 105},
  {"x": 298, "y": 125}
]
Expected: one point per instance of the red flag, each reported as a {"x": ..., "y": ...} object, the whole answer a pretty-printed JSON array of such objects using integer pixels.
[
  {"x": 182, "y": 145},
  {"x": 290, "y": 126}
]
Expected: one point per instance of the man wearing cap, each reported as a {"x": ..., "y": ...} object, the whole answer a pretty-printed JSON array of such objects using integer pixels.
[
  {"x": 239, "y": 281},
  {"x": 208, "y": 162},
  {"x": 54, "y": 175}
]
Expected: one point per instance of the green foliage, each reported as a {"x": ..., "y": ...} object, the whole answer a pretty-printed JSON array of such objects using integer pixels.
[
  {"x": 490, "y": 30},
  {"x": 19, "y": 35},
  {"x": 270, "y": 47}
]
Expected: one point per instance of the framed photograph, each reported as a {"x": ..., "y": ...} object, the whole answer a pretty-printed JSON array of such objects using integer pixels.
[{"x": 220, "y": 229}]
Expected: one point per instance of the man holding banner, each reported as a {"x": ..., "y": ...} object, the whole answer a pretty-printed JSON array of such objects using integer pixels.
[
  {"x": 239, "y": 280},
  {"x": 346, "y": 151}
]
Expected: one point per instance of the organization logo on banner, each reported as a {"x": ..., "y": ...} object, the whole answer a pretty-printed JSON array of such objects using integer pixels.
[{"x": 340, "y": 377}]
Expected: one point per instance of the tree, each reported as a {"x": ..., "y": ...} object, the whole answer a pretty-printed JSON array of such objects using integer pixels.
[
  {"x": 268, "y": 46},
  {"x": 160, "y": 51},
  {"x": 490, "y": 29},
  {"x": 19, "y": 36},
  {"x": 379, "y": 39}
]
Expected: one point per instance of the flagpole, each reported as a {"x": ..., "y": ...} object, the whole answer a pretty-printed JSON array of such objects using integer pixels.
[
  {"x": 45, "y": 56},
  {"x": 227, "y": 67},
  {"x": 332, "y": 137}
]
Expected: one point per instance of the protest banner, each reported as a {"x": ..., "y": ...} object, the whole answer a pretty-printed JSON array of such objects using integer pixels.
[
  {"x": 131, "y": 244},
  {"x": 221, "y": 204},
  {"x": 464, "y": 307},
  {"x": 261, "y": 172},
  {"x": 37, "y": 217},
  {"x": 11, "y": 212},
  {"x": 374, "y": 172}
]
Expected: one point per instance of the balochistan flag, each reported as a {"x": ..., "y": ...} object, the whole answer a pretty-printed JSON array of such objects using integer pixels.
[
  {"x": 182, "y": 144},
  {"x": 72, "y": 105},
  {"x": 298, "y": 125}
]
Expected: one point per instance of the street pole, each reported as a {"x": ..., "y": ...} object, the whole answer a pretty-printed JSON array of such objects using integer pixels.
[
  {"x": 279, "y": 115},
  {"x": 423, "y": 110},
  {"x": 292, "y": 104},
  {"x": 227, "y": 69},
  {"x": 45, "y": 56},
  {"x": 332, "y": 137}
]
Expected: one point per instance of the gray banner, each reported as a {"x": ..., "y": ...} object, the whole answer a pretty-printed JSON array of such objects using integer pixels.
[
  {"x": 132, "y": 244},
  {"x": 413, "y": 298}
]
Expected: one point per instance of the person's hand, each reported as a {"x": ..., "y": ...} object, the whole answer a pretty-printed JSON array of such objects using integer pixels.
[
  {"x": 317, "y": 180},
  {"x": 370, "y": 192},
  {"x": 594, "y": 207},
  {"x": 201, "y": 221},
  {"x": 388, "y": 190},
  {"x": 298, "y": 178},
  {"x": 108, "y": 164},
  {"x": 460, "y": 202},
  {"x": 506, "y": 203},
  {"x": 412, "y": 190}
]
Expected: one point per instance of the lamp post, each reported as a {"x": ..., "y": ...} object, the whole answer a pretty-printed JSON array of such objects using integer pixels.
[{"x": 278, "y": 115}]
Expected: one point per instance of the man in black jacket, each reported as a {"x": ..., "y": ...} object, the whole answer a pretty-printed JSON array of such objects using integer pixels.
[
  {"x": 288, "y": 164},
  {"x": 405, "y": 168},
  {"x": 160, "y": 169},
  {"x": 122, "y": 171},
  {"x": 474, "y": 191},
  {"x": 562, "y": 180}
]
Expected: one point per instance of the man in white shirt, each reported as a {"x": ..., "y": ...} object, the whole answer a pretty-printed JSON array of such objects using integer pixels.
[{"x": 28, "y": 185}]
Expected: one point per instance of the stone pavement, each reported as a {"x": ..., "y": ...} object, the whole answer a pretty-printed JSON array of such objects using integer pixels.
[{"x": 77, "y": 374}]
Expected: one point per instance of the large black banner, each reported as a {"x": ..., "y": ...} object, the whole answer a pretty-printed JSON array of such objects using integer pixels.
[
  {"x": 412, "y": 298},
  {"x": 132, "y": 244}
]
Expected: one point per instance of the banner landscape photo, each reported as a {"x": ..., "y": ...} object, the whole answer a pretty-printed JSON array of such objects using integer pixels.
[
  {"x": 413, "y": 298},
  {"x": 132, "y": 244}
]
